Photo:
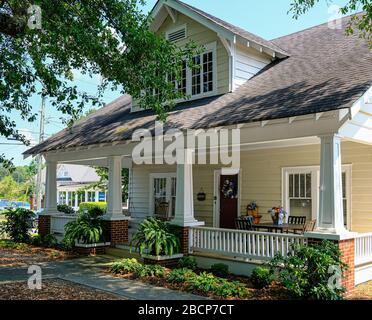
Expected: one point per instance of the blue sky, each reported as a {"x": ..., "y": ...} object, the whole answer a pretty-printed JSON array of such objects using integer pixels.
[{"x": 266, "y": 18}]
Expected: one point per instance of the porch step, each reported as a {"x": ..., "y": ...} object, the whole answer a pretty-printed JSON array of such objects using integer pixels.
[{"x": 123, "y": 253}]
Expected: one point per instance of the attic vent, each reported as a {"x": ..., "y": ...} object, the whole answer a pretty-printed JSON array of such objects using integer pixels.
[{"x": 177, "y": 35}]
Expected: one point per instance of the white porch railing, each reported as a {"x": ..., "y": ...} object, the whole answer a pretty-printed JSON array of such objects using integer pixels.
[
  {"x": 58, "y": 222},
  {"x": 363, "y": 248},
  {"x": 243, "y": 244}
]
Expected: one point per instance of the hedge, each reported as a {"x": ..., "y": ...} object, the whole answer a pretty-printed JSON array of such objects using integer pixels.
[{"x": 88, "y": 205}]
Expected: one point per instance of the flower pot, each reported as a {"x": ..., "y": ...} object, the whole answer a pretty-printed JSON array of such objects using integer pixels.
[
  {"x": 91, "y": 249},
  {"x": 257, "y": 219}
]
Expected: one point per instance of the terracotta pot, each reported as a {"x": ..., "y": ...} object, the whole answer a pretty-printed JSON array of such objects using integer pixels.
[{"x": 257, "y": 219}]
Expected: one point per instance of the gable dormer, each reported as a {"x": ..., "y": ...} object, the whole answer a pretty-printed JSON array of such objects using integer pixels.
[{"x": 231, "y": 57}]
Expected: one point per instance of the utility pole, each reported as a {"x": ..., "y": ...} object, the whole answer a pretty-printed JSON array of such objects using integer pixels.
[{"x": 39, "y": 158}]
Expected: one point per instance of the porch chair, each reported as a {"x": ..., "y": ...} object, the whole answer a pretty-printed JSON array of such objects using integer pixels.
[
  {"x": 309, "y": 226},
  {"x": 244, "y": 223},
  {"x": 296, "y": 220},
  {"x": 163, "y": 211}
]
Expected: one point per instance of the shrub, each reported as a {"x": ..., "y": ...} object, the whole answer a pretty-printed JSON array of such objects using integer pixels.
[
  {"x": 307, "y": 271},
  {"x": 207, "y": 283},
  {"x": 125, "y": 266},
  {"x": 88, "y": 228},
  {"x": 150, "y": 270},
  {"x": 154, "y": 237},
  {"x": 64, "y": 208},
  {"x": 36, "y": 240},
  {"x": 188, "y": 262},
  {"x": 261, "y": 277},
  {"x": 180, "y": 275},
  {"x": 10, "y": 244},
  {"x": 49, "y": 241},
  {"x": 87, "y": 206},
  {"x": 18, "y": 224},
  {"x": 220, "y": 270}
]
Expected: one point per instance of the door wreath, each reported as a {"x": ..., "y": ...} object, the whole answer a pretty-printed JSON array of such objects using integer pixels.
[{"x": 228, "y": 189}]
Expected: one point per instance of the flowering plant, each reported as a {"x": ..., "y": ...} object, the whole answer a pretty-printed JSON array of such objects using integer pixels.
[
  {"x": 252, "y": 206},
  {"x": 278, "y": 215}
]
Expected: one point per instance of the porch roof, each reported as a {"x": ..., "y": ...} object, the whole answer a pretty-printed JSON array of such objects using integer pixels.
[{"x": 327, "y": 70}]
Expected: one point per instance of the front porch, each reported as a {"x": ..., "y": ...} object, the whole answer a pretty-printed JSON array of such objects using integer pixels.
[{"x": 296, "y": 163}]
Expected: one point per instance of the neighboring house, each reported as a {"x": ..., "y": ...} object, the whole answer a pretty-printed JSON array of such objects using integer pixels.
[
  {"x": 74, "y": 185},
  {"x": 303, "y": 104}
]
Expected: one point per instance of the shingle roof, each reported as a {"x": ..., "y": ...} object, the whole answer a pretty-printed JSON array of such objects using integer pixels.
[
  {"x": 327, "y": 70},
  {"x": 236, "y": 30}
]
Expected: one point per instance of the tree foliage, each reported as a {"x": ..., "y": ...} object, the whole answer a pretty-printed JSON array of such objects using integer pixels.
[
  {"x": 106, "y": 37},
  {"x": 363, "y": 22}
]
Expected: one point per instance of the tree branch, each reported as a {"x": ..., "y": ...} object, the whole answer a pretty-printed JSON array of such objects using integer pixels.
[{"x": 12, "y": 26}]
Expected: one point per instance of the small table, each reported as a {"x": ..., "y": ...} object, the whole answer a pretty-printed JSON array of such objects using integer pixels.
[{"x": 270, "y": 227}]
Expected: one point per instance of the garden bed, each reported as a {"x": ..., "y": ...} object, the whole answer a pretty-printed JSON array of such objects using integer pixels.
[
  {"x": 53, "y": 289},
  {"x": 16, "y": 254},
  {"x": 198, "y": 281}
]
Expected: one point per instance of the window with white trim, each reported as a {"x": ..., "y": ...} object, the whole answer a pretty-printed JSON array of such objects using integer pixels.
[
  {"x": 62, "y": 197},
  {"x": 163, "y": 194},
  {"x": 301, "y": 191}
]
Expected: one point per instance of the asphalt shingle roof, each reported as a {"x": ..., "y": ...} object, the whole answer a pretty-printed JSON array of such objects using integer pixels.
[{"x": 326, "y": 70}]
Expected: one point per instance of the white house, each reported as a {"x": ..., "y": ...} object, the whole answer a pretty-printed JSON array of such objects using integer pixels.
[
  {"x": 74, "y": 185},
  {"x": 303, "y": 105}
]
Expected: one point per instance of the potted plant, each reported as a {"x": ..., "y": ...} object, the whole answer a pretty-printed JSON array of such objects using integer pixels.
[
  {"x": 278, "y": 215},
  {"x": 87, "y": 232},
  {"x": 157, "y": 242}
]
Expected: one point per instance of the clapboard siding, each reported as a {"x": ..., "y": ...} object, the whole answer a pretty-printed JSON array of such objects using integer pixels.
[
  {"x": 261, "y": 174},
  {"x": 247, "y": 63}
]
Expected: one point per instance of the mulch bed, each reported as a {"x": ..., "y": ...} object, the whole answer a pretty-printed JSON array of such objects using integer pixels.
[
  {"x": 53, "y": 289},
  {"x": 31, "y": 255}
]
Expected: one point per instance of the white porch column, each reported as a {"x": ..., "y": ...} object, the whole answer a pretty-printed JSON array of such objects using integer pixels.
[
  {"x": 184, "y": 213},
  {"x": 114, "y": 196},
  {"x": 51, "y": 188},
  {"x": 331, "y": 215}
]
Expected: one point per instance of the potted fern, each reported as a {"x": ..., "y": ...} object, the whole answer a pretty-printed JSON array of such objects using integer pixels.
[
  {"x": 87, "y": 232},
  {"x": 157, "y": 242}
]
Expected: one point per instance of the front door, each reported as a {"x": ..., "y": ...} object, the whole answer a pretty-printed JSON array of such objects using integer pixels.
[{"x": 228, "y": 200}]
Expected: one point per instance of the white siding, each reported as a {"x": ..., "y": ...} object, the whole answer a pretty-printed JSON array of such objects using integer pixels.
[{"x": 247, "y": 63}]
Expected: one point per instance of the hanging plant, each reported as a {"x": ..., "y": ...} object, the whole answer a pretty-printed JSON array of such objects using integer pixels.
[{"x": 228, "y": 189}]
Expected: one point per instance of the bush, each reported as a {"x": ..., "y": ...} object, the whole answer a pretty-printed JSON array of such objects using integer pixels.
[
  {"x": 49, "y": 241},
  {"x": 220, "y": 270},
  {"x": 180, "y": 275},
  {"x": 307, "y": 272},
  {"x": 88, "y": 228},
  {"x": 154, "y": 237},
  {"x": 64, "y": 208},
  {"x": 150, "y": 270},
  {"x": 188, "y": 262},
  {"x": 125, "y": 266},
  {"x": 261, "y": 277},
  {"x": 207, "y": 283},
  {"x": 87, "y": 206},
  {"x": 18, "y": 224},
  {"x": 10, "y": 244}
]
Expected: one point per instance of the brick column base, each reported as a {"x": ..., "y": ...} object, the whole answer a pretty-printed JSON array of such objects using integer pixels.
[
  {"x": 44, "y": 225},
  {"x": 347, "y": 248},
  {"x": 185, "y": 231},
  {"x": 117, "y": 231}
]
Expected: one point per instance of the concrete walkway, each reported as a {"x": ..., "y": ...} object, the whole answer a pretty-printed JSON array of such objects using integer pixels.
[{"x": 90, "y": 272}]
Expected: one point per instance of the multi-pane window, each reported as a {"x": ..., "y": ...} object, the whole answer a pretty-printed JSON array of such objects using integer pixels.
[
  {"x": 163, "y": 196},
  {"x": 299, "y": 193},
  {"x": 196, "y": 76},
  {"x": 208, "y": 72},
  {"x": 71, "y": 198},
  {"x": 182, "y": 84},
  {"x": 80, "y": 197},
  {"x": 62, "y": 197},
  {"x": 91, "y": 195},
  {"x": 301, "y": 190}
]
